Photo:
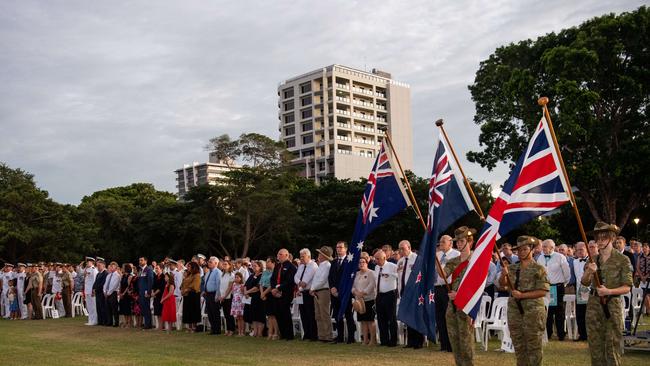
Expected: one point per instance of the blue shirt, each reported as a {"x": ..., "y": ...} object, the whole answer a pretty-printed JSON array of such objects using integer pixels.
[
  {"x": 265, "y": 281},
  {"x": 212, "y": 280}
]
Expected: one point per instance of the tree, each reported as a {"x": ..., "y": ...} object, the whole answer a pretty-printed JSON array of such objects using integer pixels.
[
  {"x": 596, "y": 76},
  {"x": 224, "y": 149}
]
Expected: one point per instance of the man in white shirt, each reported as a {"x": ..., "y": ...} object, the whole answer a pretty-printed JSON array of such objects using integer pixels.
[
  {"x": 178, "y": 279},
  {"x": 386, "y": 302},
  {"x": 582, "y": 292},
  {"x": 90, "y": 273},
  {"x": 7, "y": 275},
  {"x": 303, "y": 279},
  {"x": 320, "y": 290},
  {"x": 20, "y": 276},
  {"x": 444, "y": 253},
  {"x": 57, "y": 289},
  {"x": 558, "y": 274},
  {"x": 111, "y": 287},
  {"x": 404, "y": 267}
]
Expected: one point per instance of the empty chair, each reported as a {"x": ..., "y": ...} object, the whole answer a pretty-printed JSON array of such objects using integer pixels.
[
  {"x": 498, "y": 319},
  {"x": 570, "y": 323}
]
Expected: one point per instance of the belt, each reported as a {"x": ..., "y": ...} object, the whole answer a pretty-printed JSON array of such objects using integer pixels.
[
  {"x": 440, "y": 286},
  {"x": 557, "y": 284},
  {"x": 388, "y": 292},
  {"x": 321, "y": 289}
]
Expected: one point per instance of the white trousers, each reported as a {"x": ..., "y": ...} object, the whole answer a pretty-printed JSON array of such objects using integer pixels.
[
  {"x": 6, "y": 306},
  {"x": 21, "y": 305},
  {"x": 91, "y": 307},
  {"x": 58, "y": 305}
]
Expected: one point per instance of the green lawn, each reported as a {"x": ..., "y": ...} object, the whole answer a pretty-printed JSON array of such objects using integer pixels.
[{"x": 68, "y": 342}]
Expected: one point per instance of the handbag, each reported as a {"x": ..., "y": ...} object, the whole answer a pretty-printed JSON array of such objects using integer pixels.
[{"x": 359, "y": 305}]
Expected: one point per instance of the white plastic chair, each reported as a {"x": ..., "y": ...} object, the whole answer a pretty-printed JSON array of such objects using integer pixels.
[
  {"x": 48, "y": 305},
  {"x": 497, "y": 321},
  {"x": 204, "y": 315},
  {"x": 179, "y": 313},
  {"x": 479, "y": 322},
  {"x": 570, "y": 320},
  {"x": 636, "y": 301},
  {"x": 78, "y": 307}
]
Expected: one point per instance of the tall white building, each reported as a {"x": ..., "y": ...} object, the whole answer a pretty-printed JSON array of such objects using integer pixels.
[{"x": 333, "y": 120}]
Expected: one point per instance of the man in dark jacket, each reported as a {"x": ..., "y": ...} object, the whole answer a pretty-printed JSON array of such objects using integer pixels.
[
  {"x": 282, "y": 285},
  {"x": 145, "y": 282},
  {"x": 336, "y": 271},
  {"x": 98, "y": 292}
]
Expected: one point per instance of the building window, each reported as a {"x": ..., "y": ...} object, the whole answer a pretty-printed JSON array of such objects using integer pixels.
[
  {"x": 288, "y": 105},
  {"x": 287, "y": 93},
  {"x": 289, "y": 118},
  {"x": 305, "y": 101},
  {"x": 307, "y": 126},
  {"x": 288, "y": 131},
  {"x": 290, "y": 142},
  {"x": 321, "y": 165},
  {"x": 307, "y": 139},
  {"x": 307, "y": 113},
  {"x": 305, "y": 88}
]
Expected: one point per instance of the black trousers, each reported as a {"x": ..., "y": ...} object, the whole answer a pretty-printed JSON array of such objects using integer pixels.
[
  {"x": 102, "y": 312},
  {"x": 415, "y": 339},
  {"x": 441, "y": 297},
  {"x": 112, "y": 316},
  {"x": 581, "y": 311},
  {"x": 387, "y": 318},
  {"x": 340, "y": 324},
  {"x": 212, "y": 308},
  {"x": 283, "y": 315},
  {"x": 556, "y": 315},
  {"x": 230, "y": 320},
  {"x": 308, "y": 317}
]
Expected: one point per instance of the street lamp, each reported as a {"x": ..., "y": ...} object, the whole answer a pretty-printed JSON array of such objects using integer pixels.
[{"x": 636, "y": 222}]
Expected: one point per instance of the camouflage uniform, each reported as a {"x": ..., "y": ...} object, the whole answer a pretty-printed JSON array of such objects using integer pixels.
[
  {"x": 459, "y": 326},
  {"x": 66, "y": 293},
  {"x": 604, "y": 335},
  {"x": 528, "y": 329},
  {"x": 36, "y": 280}
]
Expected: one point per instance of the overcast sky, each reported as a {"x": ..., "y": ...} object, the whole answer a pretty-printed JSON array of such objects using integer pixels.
[{"x": 97, "y": 94}]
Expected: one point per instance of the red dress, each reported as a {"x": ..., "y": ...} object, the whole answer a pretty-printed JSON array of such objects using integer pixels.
[{"x": 168, "y": 308}]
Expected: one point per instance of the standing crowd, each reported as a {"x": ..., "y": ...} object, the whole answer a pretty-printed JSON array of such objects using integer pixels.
[{"x": 265, "y": 298}]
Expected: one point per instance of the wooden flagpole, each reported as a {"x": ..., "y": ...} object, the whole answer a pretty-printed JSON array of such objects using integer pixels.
[
  {"x": 440, "y": 123},
  {"x": 543, "y": 101},
  {"x": 414, "y": 202}
]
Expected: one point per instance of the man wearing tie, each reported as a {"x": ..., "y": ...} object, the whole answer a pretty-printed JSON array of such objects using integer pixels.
[
  {"x": 98, "y": 291},
  {"x": 282, "y": 284},
  {"x": 303, "y": 278},
  {"x": 111, "y": 287},
  {"x": 404, "y": 265},
  {"x": 145, "y": 282},
  {"x": 336, "y": 271},
  {"x": 386, "y": 302},
  {"x": 211, "y": 294},
  {"x": 441, "y": 297}
]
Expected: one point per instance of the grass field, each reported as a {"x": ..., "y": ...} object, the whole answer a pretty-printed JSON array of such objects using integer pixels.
[{"x": 68, "y": 342}]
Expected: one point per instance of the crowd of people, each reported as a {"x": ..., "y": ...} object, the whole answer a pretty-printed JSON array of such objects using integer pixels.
[{"x": 256, "y": 296}]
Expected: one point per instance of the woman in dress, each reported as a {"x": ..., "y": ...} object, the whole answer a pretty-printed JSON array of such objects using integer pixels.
[
  {"x": 365, "y": 287},
  {"x": 265, "y": 296},
  {"x": 157, "y": 291},
  {"x": 237, "y": 307},
  {"x": 254, "y": 312},
  {"x": 191, "y": 289},
  {"x": 125, "y": 302},
  {"x": 135, "y": 305},
  {"x": 225, "y": 287},
  {"x": 168, "y": 315}
]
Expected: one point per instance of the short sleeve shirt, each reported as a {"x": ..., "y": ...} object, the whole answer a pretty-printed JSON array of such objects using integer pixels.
[{"x": 615, "y": 272}]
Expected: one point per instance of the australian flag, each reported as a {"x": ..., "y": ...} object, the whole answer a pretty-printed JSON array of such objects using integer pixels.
[
  {"x": 536, "y": 186},
  {"x": 448, "y": 201},
  {"x": 383, "y": 198}
]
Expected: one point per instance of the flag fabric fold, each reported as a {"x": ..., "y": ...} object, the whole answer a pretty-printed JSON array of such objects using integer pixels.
[
  {"x": 535, "y": 187},
  {"x": 382, "y": 199},
  {"x": 448, "y": 201}
]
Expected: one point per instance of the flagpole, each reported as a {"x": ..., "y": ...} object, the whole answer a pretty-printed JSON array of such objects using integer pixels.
[
  {"x": 543, "y": 101},
  {"x": 415, "y": 205},
  {"x": 440, "y": 123}
]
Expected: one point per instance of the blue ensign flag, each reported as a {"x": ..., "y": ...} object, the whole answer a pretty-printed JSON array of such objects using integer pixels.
[
  {"x": 383, "y": 198},
  {"x": 448, "y": 201}
]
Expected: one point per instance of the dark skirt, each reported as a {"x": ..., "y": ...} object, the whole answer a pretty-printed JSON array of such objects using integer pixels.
[
  {"x": 369, "y": 315},
  {"x": 125, "y": 305},
  {"x": 28, "y": 297},
  {"x": 254, "y": 312},
  {"x": 268, "y": 305},
  {"x": 191, "y": 308},
  {"x": 157, "y": 306}
]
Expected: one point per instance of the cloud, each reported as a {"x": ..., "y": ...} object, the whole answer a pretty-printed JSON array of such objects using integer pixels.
[{"x": 104, "y": 93}]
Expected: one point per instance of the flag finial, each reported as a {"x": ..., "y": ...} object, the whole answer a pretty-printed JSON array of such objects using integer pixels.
[
  {"x": 542, "y": 101},
  {"x": 439, "y": 122}
]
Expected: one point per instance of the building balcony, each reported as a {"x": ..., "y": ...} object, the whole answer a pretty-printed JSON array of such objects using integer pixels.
[{"x": 343, "y": 138}]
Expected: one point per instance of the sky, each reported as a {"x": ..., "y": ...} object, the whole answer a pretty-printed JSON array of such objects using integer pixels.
[{"x": 98, "y": 94}]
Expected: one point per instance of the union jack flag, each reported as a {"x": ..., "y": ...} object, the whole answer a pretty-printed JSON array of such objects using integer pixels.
[
  {"x": 536, "y": 186},
  {"x": 383, "y": 198},
  {"x": 448, "y": 201}
]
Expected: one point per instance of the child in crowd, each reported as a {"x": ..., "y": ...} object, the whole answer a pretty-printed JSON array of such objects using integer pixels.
[
  {"x": 237, "y": 308},
  {"x": 168, "y": 301}
]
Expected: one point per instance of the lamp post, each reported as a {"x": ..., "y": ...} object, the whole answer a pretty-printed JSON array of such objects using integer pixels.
[{"x": 636, "y": 223}]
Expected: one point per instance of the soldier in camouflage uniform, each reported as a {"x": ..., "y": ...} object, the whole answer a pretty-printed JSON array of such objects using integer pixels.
[
  {"x": 613, "y": 268},
  {"x": 459, "y": 326},
  {"x": 530, "y": 286}
]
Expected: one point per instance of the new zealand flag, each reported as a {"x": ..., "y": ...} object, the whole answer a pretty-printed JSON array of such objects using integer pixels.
[
  {"x": 383, "y": 198},
  {"x": 448, "y": 201}
]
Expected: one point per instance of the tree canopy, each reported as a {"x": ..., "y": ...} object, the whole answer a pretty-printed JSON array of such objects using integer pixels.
[{"x": 597, "y": 78}]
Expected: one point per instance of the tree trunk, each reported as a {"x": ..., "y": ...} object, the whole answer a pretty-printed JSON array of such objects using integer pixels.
[{"x": 247, "y": 234}]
